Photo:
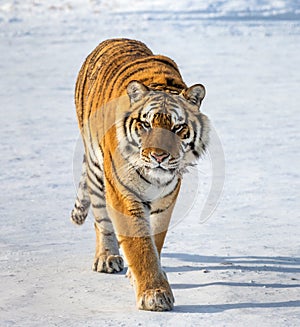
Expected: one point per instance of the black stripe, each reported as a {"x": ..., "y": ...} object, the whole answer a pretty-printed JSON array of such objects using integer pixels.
[
  {"x": 110, "y": 69},
  {"x": 119, "y": 179},
  {"x": 122, "y": 71},
  {"x": 137, "y": 212},
  {"x": 120, "y": 55},
  {"x": 201, "y": 124},
  {"x": 125, "y": 78},
  {"x": 126, "y": 128},
  {"x": 99, "y": 143},
  {"x": 93, "y": 162},
  {"x": 172, "y": 190},
  {"x": 157, "y": 98},
  {"x": 192, "y": 144},
  {"x": 167, "y": 62},
  {"x": 129, "y": 75},
  {"x": 78, "y": 207},
  {"x": 130, "y": 125},
  {"x": 80, "y": 85},
  {"x": 98, "y": 177},
  {"x": 147, "y": 204},
  {"x": 105, "y": 220},
  {"x": 117, "y": 55},
  {"x": 142, "y": 176},
  {"x": 96, "y": 164},
  {"x": 155, "y": 212},
  {"x": 95, "y": 57},
  {"x": 107, "y": 234},
  {"x": 169, "y": 182},
  {"x": 172, "y": 101},
  {"x": 131, "y": 132},
  {"x": 90, "y": 134},
  {"x": 108, "y": 180},
  {"x": 82, "y": 184},
  {"x": 95, "y": 184},
  {"x": 98, "y": 206},
  {"x": 154, "y": 106},
  {"x": 93, "y": 168},
  {"x": 99, "y": 180},
  {"x": 93, "y": 192}
]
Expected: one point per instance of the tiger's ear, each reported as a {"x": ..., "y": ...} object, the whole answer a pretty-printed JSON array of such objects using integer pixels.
[
  {"x": 136, "y": 91},
  {"x": 195, "y": 94}
]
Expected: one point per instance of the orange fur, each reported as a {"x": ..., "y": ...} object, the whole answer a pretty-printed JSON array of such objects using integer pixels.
[{"x": 141, "y": 127}]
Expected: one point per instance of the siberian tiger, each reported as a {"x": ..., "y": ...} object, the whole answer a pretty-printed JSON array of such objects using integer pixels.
[{"x": 141, "y": 127}]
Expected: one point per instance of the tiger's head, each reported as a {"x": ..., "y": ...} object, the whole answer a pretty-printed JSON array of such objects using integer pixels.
[{"x": 163, "y": 133}]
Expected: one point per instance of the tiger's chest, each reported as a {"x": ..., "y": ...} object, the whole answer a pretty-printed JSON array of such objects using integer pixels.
[{"x": 151, "y": 192}]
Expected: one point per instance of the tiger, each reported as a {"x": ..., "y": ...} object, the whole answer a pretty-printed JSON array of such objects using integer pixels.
[{"x": 141, "y": 128}]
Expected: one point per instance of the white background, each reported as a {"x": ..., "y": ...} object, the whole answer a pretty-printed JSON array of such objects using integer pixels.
[{"x": 241, "y": 267}]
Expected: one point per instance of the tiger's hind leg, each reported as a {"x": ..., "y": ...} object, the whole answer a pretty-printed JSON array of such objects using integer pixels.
[
  {"x": 107, "y": 257},
  {"x": 82, "y": 203}
]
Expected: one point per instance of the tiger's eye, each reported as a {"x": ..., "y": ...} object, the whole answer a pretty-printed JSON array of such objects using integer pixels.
[
  {"x": 177, "y": 128},
  {"x": 146, "y": 124}
]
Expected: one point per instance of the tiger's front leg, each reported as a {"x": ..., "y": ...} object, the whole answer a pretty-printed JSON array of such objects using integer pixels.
[{"x": 152, "y": 289}]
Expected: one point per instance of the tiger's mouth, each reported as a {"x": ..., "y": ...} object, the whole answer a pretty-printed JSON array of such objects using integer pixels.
[
  {"x": 157, "y": 168},
  {"x": 160, "y": 170},
  {"x": 158, "y": 160},
  {"x": 158, "y": 174}
]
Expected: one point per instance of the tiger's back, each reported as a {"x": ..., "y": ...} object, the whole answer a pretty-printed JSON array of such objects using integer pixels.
[{"x": 108, "y": 70}]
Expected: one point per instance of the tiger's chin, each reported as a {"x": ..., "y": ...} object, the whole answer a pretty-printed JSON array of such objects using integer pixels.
[{"x": 160, "y": 175}]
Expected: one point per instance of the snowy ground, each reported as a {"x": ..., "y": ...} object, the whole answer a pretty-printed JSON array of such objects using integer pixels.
[{"x": 241, "y": 267}]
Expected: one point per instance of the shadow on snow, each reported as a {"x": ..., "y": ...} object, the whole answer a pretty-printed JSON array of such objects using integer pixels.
[
  {"x": 215, "y": 308},
  {"x": 249, "y": 263},
  {"x": 288, "y": 265}
]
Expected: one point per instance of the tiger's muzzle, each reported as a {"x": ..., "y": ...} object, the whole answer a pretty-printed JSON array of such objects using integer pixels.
[{"x": 161, "y": 149}]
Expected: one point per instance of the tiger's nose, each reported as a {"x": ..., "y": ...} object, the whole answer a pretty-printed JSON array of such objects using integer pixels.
[{"x": 159, "y": 156}]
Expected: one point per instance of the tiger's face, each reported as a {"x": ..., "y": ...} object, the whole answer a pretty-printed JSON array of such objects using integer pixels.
[{"x": 163, "y": 133}]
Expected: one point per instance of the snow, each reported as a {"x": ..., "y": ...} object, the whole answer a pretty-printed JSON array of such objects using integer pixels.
[{"x": 237, "y": 265}]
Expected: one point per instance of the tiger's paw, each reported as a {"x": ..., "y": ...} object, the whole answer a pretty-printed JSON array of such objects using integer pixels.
[
  {"x": 159, "y": 299},
  {"x": 108, "y": 264},
  {"x": 78, "y": 216}
]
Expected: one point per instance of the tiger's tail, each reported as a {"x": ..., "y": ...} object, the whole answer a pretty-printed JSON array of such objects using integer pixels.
[{"x": 83, "y": 202}]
